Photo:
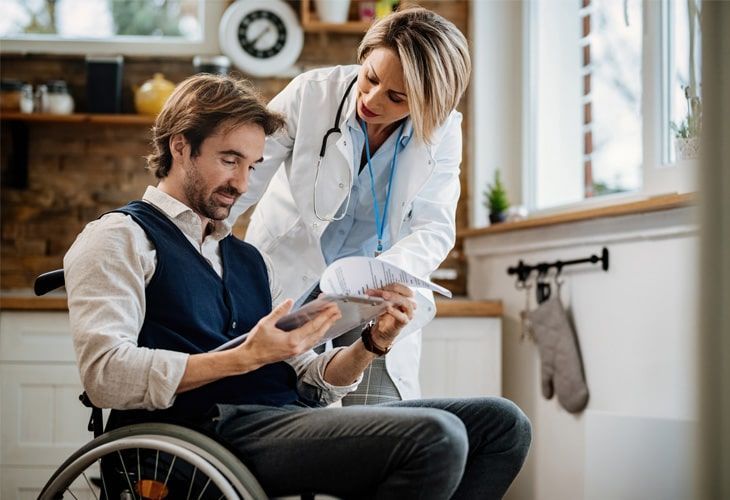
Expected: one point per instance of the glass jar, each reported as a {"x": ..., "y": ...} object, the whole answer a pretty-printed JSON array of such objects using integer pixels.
[
  {"x": 26, "y": 98},
  {"x": 60, "y": 101},
  {"x": 215, "y": 65},
  {"x": 10, "y": 91}
]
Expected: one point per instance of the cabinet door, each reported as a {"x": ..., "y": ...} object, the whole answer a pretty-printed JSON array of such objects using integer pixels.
[
  {"x": 26, "y": 483},
  {"x": 40, "y": 337},
  {"x": 462, "y": 357},
  {"x": 43, "y": 422}
]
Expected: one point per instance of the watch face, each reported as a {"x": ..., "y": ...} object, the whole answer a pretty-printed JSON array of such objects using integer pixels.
[{"x": 262, "y": 34}]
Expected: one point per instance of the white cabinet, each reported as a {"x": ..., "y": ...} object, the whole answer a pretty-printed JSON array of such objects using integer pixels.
[
  {"x": 462, "y": 357},
  {"x": 41, "y": 419}
]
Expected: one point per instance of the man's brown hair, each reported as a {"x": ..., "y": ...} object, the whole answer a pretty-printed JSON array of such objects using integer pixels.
[{"x": 201, "y": 106}]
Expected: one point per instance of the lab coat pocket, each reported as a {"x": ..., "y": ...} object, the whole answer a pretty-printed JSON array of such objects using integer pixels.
[
  {"x": 403, "y": 228},
  {"x": 409, "y": 214}
]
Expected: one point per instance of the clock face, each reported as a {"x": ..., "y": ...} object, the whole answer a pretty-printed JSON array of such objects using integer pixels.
[
  {"x": 261, "y": 37},
  {"x": 262, "y": 34}
]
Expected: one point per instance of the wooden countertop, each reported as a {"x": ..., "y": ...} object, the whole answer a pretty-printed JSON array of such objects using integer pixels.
[
  {"x": 28, "y": 302},
  {"x": 446, "y": 308},
  {"x": 466, "y": 308}
]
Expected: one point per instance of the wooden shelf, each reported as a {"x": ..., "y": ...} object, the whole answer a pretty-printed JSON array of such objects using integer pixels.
[
  {"x": 120, "y": 119},
  {"x": 652, "y": 204},
  {"x": 312, "y": 24}
]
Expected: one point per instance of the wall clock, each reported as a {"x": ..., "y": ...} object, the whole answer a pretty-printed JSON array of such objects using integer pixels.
[{"x": 261, "y": 37}]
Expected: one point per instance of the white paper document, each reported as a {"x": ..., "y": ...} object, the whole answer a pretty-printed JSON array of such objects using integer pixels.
[{"x": 355, "y": 275}]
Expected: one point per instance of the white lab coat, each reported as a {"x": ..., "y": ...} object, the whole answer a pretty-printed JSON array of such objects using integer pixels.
[{"x": 421, "y": 213}]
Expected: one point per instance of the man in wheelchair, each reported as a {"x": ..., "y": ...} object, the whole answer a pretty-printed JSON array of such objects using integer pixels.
[{"x": 155, "y": 285}]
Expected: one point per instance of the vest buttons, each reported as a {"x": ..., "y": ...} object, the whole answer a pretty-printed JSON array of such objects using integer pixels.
[{"x": 233, "y": 325}]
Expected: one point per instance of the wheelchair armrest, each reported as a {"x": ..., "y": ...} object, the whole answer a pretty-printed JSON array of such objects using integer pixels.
[
  {"x": 49, "y": 281},
  {"x": 96, "y": 421},
  {"x": 84, "y": 398}
]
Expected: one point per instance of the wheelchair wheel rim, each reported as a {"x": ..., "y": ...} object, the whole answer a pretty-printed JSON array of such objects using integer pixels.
[{"x": 200, "y": 459}]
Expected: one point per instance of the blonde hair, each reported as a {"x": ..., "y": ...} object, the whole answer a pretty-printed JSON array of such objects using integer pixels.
[
  {"x": 435, "y": 59},
  {"x": 201, "y": 106}
]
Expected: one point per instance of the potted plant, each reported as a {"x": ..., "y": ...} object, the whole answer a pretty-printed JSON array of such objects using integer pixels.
[
  {"x": 495, "y": 200},
  {"x": 687, "y": 133}
]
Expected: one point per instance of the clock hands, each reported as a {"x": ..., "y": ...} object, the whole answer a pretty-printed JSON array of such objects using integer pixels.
[{"x": 252, "y": 43}]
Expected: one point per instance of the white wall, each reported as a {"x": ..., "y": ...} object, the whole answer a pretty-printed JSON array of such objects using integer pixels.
[
  {"x": 636, "y": 325},
  {"x": 496, "y": 40}
]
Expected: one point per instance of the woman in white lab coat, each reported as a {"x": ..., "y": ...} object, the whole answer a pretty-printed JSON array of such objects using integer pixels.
[{"x": 370, "y": 158}]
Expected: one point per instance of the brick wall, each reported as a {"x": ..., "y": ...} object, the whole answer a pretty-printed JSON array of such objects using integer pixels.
[{"x": 78, "y": 171}]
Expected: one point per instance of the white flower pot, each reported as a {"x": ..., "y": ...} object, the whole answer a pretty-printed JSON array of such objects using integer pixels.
[
  {"x": 687, "y": 149},
  {"x": 332, "y": 11}
]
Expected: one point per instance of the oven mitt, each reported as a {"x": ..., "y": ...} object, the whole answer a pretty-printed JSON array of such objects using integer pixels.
[{"x": 562, "y": 366}]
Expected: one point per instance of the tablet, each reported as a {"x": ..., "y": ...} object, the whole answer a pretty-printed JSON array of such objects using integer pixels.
[{"x": 356, "y": 311}]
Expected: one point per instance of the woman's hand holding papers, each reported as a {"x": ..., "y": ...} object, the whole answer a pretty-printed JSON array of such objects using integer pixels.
[
  {"x": 267, "y": 344},
  {"x": 399, "y": 313},
  {"x": 350, "y": 362}
]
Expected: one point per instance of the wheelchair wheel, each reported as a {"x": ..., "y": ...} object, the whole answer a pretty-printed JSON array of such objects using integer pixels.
[{"x": 153, "y": 461}]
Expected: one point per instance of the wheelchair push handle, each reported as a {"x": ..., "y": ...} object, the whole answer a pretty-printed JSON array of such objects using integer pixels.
[{"x": 48, "y": 282}]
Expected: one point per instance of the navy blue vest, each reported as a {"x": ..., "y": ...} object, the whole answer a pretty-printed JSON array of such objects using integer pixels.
[{"x": 190, "y": 309}]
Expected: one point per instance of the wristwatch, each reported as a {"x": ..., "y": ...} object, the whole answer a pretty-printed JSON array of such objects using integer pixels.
[{"x": 367, "y": 341}]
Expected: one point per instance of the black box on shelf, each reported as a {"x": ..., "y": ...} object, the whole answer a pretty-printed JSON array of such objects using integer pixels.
[{"x": 104, "y": 84}]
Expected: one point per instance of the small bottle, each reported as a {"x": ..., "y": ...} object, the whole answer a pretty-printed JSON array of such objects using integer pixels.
[
  {"x": 26, "y": 98},
  {"x": 60, "y": 101},
  {"x": 41, "y": 99}
]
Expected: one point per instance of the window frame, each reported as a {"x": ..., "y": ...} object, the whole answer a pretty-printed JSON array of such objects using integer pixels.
[
  {"x": 659, "y": 176},
  {"x": 126, "y": 45}
]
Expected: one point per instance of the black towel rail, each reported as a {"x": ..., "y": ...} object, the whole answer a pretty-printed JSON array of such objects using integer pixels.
[{"x": 523, "y": 270}]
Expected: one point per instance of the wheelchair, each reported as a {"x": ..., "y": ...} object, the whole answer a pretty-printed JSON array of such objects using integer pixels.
[{"x": 148, "y": 460}]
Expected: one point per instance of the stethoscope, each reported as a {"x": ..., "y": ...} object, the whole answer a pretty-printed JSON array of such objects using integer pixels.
[
  {"x": 379, "y": 220},
  {"x": 334, "y": 130}
]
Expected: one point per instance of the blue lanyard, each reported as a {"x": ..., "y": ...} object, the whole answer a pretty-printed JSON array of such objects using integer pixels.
[{"x": 380, "y": 224}]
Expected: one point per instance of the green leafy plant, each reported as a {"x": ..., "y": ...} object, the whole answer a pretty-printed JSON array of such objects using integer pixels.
[
  {"x": 495, "y": 196},
  {"x": 691, "y": 126}
]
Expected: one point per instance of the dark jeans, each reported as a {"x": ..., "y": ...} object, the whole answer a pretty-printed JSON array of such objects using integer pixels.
[{"x": 424, "y": 449}]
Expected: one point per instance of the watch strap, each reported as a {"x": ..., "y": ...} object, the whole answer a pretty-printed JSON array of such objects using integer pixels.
[{"x": 367, "y": 341}]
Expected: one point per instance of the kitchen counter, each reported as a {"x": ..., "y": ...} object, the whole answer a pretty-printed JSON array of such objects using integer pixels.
[{"x": 24, "y": 300}]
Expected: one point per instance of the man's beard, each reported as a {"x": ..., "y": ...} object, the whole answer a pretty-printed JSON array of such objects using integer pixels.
[{"x": 200, "y": 202}]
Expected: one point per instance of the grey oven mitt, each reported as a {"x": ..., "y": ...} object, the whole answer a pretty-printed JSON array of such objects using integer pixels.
[{"x": 562, "y": 366}]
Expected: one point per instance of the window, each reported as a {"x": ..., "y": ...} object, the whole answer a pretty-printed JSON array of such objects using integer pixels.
[
  {"x": 683, "y": 66},
  {"x": 101, "y": 26},
  {"x": 604, "y": 80}
]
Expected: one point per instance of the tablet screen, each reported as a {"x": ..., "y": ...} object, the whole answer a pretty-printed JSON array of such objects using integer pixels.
[{"x": 356, "y": 311}]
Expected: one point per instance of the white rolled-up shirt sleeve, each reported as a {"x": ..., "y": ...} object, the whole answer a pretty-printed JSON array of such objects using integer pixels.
[
  {"x": 311, "y": 385},
  {"x": 106, "y": 271}
]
